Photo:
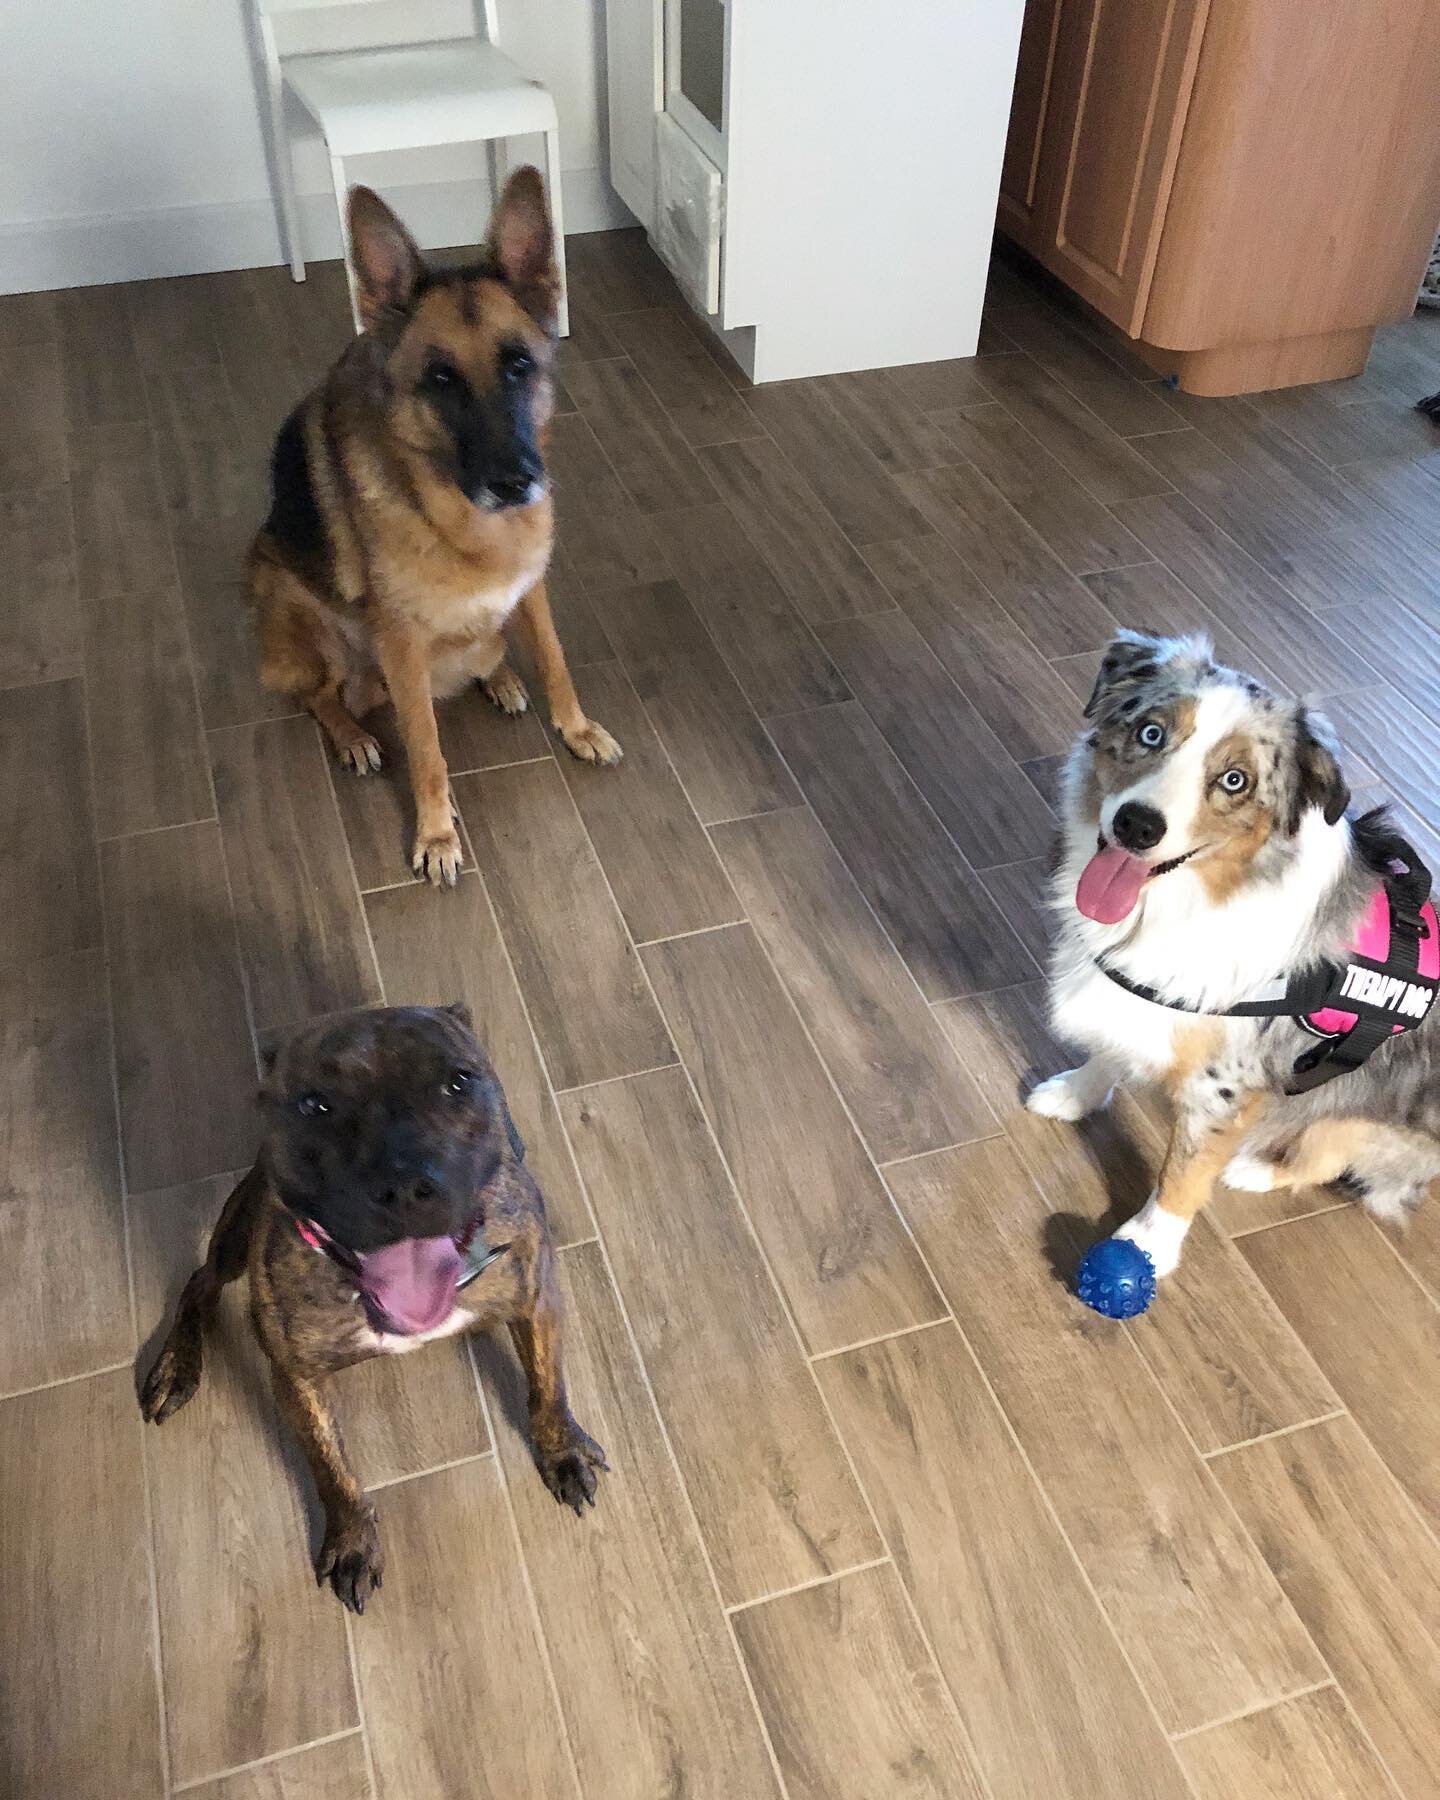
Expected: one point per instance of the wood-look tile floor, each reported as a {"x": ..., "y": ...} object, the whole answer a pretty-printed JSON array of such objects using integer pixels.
[{"x": 890, "y": 1515}]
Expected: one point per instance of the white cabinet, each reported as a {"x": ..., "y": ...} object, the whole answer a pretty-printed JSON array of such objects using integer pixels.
[
  {"x": 821, "y": 175},
  {"x": 634, "y": 51}
]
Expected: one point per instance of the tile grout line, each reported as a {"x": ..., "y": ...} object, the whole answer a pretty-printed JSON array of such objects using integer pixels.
[
  {"x": 124, "y": 837},
  {"x": 238, "y": 948},
  {"x": 581, "y": 1087},
  {"x": 191, "y": 665},
  {"x": 1251, "y": 1712},
  {"x": 1315, "y": 1212},
  {"x": 881, "y": 1337},
  {"x": 929, "y": 1005},
  {"x": 1051, "y": 1509},
  {"x": 676, "y": 937},
  {"x": 261, "y": 1762},
  {"x": 785, "y": 1308},
  {"x": 1281, "y": 1431},
  {"x": 331, "y": 766},
  {"x": 440, "y": 1468},
  {"x": 537, "y": 1623},
  {"x": 44, "y": 1387},
  {"x": 806, "y": 1587},
  {"x": 688, "y": 1501},
  {"x": 151, "y": 1539},
  {"x": 540, "y": 1059},
  {"x": 156, "y": 1634},
  {"x": 986, "y": 1137},
  {"x": 624, "y": 1311}
]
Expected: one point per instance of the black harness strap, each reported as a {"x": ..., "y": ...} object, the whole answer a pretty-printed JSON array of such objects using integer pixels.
[{"x": 1399, "y": 996}]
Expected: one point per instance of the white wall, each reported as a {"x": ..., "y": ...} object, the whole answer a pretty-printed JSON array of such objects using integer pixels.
[{"x": 130, "y": 140}]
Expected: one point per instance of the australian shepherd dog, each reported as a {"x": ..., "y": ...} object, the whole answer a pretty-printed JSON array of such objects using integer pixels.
[{"x": 1227, "y": 931}]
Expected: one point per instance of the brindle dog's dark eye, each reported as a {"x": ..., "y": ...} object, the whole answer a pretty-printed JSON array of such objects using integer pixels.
[
  {"x": 1151, "y": 735},
  {"x": 516, "y": 363},
  {"x": 439, "y": 376},
  {"x": 459, "y": 1082},
  {"x": 1234, "y": 781},
  {"x": 312, "y": 1106}
]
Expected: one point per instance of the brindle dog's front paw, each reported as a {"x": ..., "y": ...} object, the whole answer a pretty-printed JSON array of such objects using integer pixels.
[
  {"x": 351, "y": 1559},
  {"x": 438, "y": 856},
  {"x": 569, "y": 1468},
  {"x": 171, "y": 1383},
  {"x": 590, "y": 742}
]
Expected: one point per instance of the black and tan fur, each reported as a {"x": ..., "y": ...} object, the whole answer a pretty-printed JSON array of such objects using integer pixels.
[
  {"x": 397, "y": 1153},
  {"x": 411, "y": 512}
]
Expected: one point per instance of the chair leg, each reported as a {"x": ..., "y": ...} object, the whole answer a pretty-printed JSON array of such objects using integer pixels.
[
  {"x": 499, "y": 167},
  {"x": 282, "y": 154},
  {"x": 342, "y": 203},
  {"x": 557, "y": 220},
  {"x": 292, "y": 244}
]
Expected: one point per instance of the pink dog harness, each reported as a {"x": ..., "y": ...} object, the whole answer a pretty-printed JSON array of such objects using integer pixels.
[
  {"x": 1369, "y": 975},
  {"x": 1386, "y": 984}
]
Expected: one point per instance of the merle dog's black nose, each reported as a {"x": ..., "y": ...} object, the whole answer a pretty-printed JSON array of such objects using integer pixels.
[{"x": 1137, "y": 828}]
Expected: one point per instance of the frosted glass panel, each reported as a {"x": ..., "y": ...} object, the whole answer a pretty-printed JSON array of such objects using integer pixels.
[{"x": 702, "y": 56}]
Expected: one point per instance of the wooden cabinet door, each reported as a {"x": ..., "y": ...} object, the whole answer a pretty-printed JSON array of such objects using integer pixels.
[
  {"x": 1022, "y": 177},
  {"x": 1123, "y": 74}
]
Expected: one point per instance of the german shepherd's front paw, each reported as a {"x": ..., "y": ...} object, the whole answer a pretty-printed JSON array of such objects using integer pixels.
[
  {"x": 592, "y": 743},
  {"x": 569, "y": 1468},
  {"x": 361, "y": 754},
  {"x": 171, "y": 1383},
  {"x": 351, "y": 1559},
  {"x": 438, "y": 856},
  {"x": 506, "y": 690}
]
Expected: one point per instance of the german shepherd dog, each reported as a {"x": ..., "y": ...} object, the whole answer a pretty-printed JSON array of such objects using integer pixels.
[{"x": 411, "y": 512}]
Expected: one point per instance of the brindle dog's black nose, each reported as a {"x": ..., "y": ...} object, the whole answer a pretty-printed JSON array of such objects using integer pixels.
[{"x": 1137, "y": 828}]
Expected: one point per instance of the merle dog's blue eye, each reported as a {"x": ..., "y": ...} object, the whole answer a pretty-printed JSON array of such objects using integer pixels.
[
  {"x": 1234, "y": 781},
  {"x": 1151, "y": 735},
  {"x": 312, "y": 1106}
]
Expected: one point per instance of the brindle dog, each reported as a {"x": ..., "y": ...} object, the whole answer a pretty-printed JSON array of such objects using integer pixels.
[
  {"x": 411, "y": 516},
  {"x": 389, "y": 1205}
]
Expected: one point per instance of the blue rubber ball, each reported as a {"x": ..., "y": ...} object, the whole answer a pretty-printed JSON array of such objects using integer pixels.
[{"x": 1116, "y": 1278}]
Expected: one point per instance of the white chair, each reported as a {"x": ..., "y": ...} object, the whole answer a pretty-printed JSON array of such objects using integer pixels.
[{"x": 456, "y": 91}]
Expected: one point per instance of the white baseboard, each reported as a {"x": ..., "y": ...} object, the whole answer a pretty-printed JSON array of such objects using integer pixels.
[{"x": 196, "y": 240}]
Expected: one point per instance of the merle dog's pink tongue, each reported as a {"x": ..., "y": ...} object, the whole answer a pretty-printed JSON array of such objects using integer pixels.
[
  {"x": 412, "y": 1282},
  {"x": 1110, "y": 884}
]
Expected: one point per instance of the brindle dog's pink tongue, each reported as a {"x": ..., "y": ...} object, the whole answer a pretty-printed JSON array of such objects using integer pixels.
[
  {"x": 1110, "y": 884},
  {"x": 413, "y": 1282}
]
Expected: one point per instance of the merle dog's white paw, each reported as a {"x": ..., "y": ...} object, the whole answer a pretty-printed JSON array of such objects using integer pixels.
[
  {"x": 1069, "y": 1096},
  {"x": 1251, "y": 1174},
  {"x": 1160, "y": 1234}
]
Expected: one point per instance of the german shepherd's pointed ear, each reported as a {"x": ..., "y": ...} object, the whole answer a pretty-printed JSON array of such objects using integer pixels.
[
  {"x": 388, "y": 263},
  {"x": 1319, "y": 779},
  {"x": 522, "y": 242}
]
